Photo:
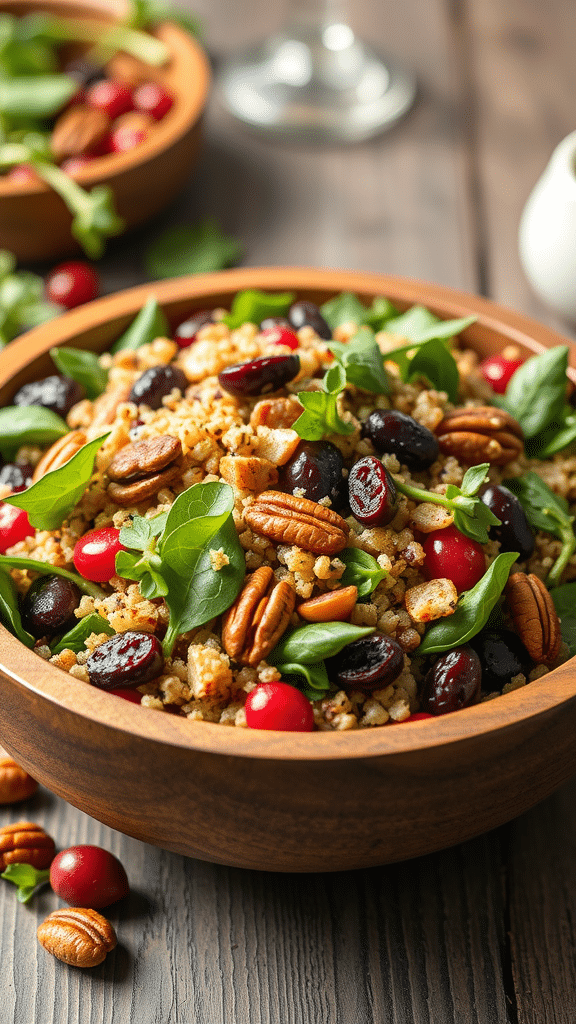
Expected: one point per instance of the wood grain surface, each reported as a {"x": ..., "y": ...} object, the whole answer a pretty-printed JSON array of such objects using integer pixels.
[{"x": 480, "y": 934}]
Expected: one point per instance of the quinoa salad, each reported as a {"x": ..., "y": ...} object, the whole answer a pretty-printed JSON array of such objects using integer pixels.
[{"x": 296, "y": 517}]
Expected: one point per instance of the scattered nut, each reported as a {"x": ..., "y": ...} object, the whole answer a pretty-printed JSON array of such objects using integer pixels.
[
  {"x": 78, "y": 936},
  {"x": 60, "y": 452},
  {"x": 534, "y": 616},
  {"x": 287, "y": 519},
  {"x": 15, "y": 783},
  {"x": 78, "y": 130},
  {"x": 141, "y": 469},
  {"x": 477, "y": 434},
  {"x": 258, "y": 617},
  {"x": 25, "y": 843},
  {"x": 334, "y": 606}
]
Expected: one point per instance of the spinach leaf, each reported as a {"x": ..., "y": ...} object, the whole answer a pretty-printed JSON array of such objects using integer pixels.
[
  {"x": 555, "y": 437},
  {"x": 363, "y": 362},
  {"x": 343, "y": 309},
  {"x": 141, "y": 536},
  {"x": 26, "y": 878},
  {"x": 418, "y": 324},
  {"x": 28, "y": 424},
  {"x": 564, "y": 599},
  {"x": 75, "y": 638},
  {"x": 362, "y": 571},
  {"x": 9, "y": 610},
  {"x": 150, "y": 323},
  {"x": 51, "y": 499},
  {"x": 46, "y": 569},
  {"x": 472, "y": 610},
  {"x": 546, "y": 511},
  {"x": 437, "y": 365},
  {"x": 83, "y": 366},
  {"x": 536, "y": 393},
  {"x": 471, "y": 516},
  {"x": 187, "y": 249},
  {"x": 321, "y": 416},
  {"x": 315, "y": 683},
  {"x": 253, "y": 306},
  {"x": 310, "y": 644},
  {"x": 35, "y": 95},
  {"x": 380, "y": 312}
]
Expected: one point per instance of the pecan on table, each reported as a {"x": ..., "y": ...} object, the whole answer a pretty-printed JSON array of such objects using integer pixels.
[
  {"x": 258, "y": 617},
  {"x": 26, "y": 843},
  {"x": 77, "y": 935},
  {"x": 78, "y": 130},
  {"x": 479, "y": 434},
  {"x": 15, "y": 783},
  {"x": 60, "y": 452},
  {"x": 139, "y": 470},
  {"x": 288, "y": 519},
  {"x": 534, "y": 616}
]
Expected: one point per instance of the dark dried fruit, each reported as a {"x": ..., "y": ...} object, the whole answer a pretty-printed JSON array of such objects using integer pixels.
[
  {"x": 316, "y": 469},
  {"x": 127, "y": 659},
  {"x": 371, "y": 492},
  {"x": 16, "y": 477},
  {"x": 307, "y": 314},
  {"x": 157, "y": 383},
  {"x": 48, "y": 607},
  {"x": 185, "y": 333},
  {"x": 259, "y": 376},
  {"x": 502, "y": 656},
  {"x": 453, "y": 682},
  {"x": 394, "y": 433},
  {"x": 370, "y": 663},
  {"x": 515, "y": 533},
  {"x": 56, "y": 392}
]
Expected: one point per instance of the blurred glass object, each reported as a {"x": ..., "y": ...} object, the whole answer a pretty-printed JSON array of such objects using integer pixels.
[{"x": 315, "y": 80}]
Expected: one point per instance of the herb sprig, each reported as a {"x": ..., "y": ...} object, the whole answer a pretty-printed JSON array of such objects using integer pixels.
[
  {"x": 26, "y": 878},
  {"x": 321, "y": 416},
  {"x": 549, "y": 512},
  {"x": 471, "y": 516}
]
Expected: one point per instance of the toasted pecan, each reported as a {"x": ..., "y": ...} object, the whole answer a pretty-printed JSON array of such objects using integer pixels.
[
  {"x": 25, "y": 843},
  {"x": 77, "y": 935},
  {"x": 15, "y": 783},
  {"x": 479, "y": 434},
  {"x": 258, "y": 617},
  {"x": 139, "y": 470},
  {"x": 79, "y": 129},
  {"x": 288, "y": 519},
  {"x": 534, "y": 616},
  {"x": 60, "y": 452}
]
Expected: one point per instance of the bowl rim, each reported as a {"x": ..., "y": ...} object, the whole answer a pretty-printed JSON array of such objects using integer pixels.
[
  {"x": 187, "y": 109},
  {"x": 21, "y": 665}
]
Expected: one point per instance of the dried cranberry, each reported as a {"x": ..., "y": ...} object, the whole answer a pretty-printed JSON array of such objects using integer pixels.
[
  {"x": 57, "y": 393},
  {"x": 514, "y": 534},
  {"x": 453, "y": 682},
  {"x": 126, "y": 659},
  {"x": 502, "y": 656},
  {"x": 279, "y": 706},
  {"x": 185, "y": 333},
  {"x": 111, "y": 97},
  {"x": 393, "y": 432},
  {"x": 317, "y": 469},
  {"x": 307, "y": 314},
  {"x": 157, "y": 383},
  {"x": 371, "y": 492},
  {"x": 48, "y": 607},
  {"x": 16, "y": 477},
  {"x": 280, "y": 336},
  {"x": 498, "y": 371},
  {"x": 450, "y": 555},
  {"x": 259, "y": 376},
  {"x": 367, "y": 664}
]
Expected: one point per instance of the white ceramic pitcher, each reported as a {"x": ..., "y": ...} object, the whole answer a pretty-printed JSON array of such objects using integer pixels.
[{"x": 547, "y": 234}]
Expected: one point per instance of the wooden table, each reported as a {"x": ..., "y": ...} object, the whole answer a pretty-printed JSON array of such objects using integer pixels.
[{"x": 484, "y": 932}]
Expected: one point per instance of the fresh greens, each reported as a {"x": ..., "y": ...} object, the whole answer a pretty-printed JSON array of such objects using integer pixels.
[
  {"x": 9, "y": 611},
  {"x": 315, "y": 682},
  {"x": 150, "y": 323},
  {"x": 75, "y": 638},
  {"x": 347, "y": 307},
  {"x": 362, "y": 571},
  {"x": 83, "y": 366},
  {"x": 141, "y": 45},
  {"x": 536, "y": 393},
  {"x": 564, "y": 599},
  {"x": 147, "y": 12},
  {"x": 26, "y": 878},
  {"x": 362, "y": 362},
  {"x": 321, "y": 414},
  {"x": 47, "y": 569},
  {"x": 419, "y": 325},
  {"x": 51, "y": 499},
  {"x": 549, "y": 512},
  {"x": 22, "y": 303},
  {"x": 28, "y": 424},
  {"x": 302, "y": 652},
  {"x": 555, "y": 437},
  {"x": 253, "y": 306},
  {"x": 433, "y": 361},
  {"x": 35, "y": 95},
  {"x": 472, "y": 610},
  {"x": 187, "y": 249},
  {"x": 471, "y": 516}
]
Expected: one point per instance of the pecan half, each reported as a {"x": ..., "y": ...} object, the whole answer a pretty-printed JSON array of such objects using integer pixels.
[
  {"x": 15, "y": 783},
  {"x": 78, "y": 130},
  {"x": 25, "y": 843},
  {"x": 480, "y": 434},
  {"x": 534, "y": 616},
  {"x": 258, "y": 617},
  {"x": 141, "y": 469},
  {"x": 287, "y": 519},
  {"x": 77, "y": 935},
  {"x": 60, "y": 452},
  {"x": 106, "y": 405}
]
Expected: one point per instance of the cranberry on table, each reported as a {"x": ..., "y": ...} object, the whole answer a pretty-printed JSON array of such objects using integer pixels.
[
  {"x": 126, "y": 659},
  {"x": 307, "y": 314},
  {"x": 152, "y": 99},
  {"x": 371, "y": 492},
  {"x": 514, "y": 534},
  {"x": 317, "y": 469},
  {"x": 280, "y": 336},
  {"x": 502, "y": 656},
  {"x": 112, "y": 98},
  {"x": 453, "y": 682},
  {"x": 56, "y": 392},
  {"x": 48, "y": 606},
  {"x": 16, "y": 477},
  {"x": 279, "y": 706},
  {"x": 185, "y": 333},
  {"x": 157, "y": 383},
  {"x": 259, "y": 376},
  {"x": 393, "y": 432},
  {"x": 95, "y": 554},
  {"x": 498, "y": 371},
  {"x": 453, "y": 556},
  {"x": 71, "y": 284},
  {"x": 14, "y": 526},
  {"x": 370, "y": 663},
  {"x": 88, "y": 876}
]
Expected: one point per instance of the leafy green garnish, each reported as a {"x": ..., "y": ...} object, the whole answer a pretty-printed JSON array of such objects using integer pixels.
[
  {"x": 315, "y": 680},
  {"x": 419, "y": 324},
  {"x": 321, "y": 416},
  {"x": 22, "y": 303},
  {"x": 27, "y": 879},
  {"x": 546, "y": 511},
  {"x": 362, "y": 361},
  {"x": 302, "y": 652},
  {"x": 9, "y": 610},
  {"x": 555, "y": 437},
  {"x": 472, "y": 610},
  {"x": 187, "y": 249},
  {"x": 83, "y": 366},
  {"x": 347, "y": 307},
  {"x": 150, "y": 323},
  {"x": 75, "y": 638},
  {"x": 141, "y": 45},
  {"x": 253, "y": 306},
  {"x": 28, "y": 424},
  {"x": 536, "y": 393},
  {"x": 564, "y": 599},
  {"x": 362, "y": 571},
  {"x": 47, "y": 569},
  {"x": 471, "y": 516},
  {"x": 35, "y": 95},
  {"x": 433, "y": 361},
  {"x": 150, "y": 12}
]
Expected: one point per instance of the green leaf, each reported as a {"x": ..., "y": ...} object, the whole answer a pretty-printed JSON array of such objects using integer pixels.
[
  {"x": 363, "y": 362},
  {"x": 47, "y": 569},
  {"x": 309, "y": 644},
  {"x": 147, "y": 12},
  {"x": 150, "y": 323},
  {"x": 141, "y": 536},
  {"x": 118, "y": 37},
  {"x": 342, "y": 309},
  {"x": 474, "y": 478},
  {"x": 472, "y": 610},
  {"x": 380, "y": 312},
  {"x": 9, "y": 610},
  {"x": 187, "y": 249},
  {"x": 362, "y": 571},
  {"x": 35, "y": 95},
  {"x": 471, "y": 516},
  {"x": 564, "y": 599},
  {"x": 82, "y": 366},
  {"x": 94, "y": 218},
  {"x": 75, "y": 638},
  {"x": 437, "y": 365},
  {"x": 419, "y": 325},
  {"x": 320, "y": 416},
  {"x": 536, "y": 393},
  {"x": 28, "y": 424},
  {"x": 211, "y": 502},
  {"x": 558, "y": 435},
  {"x": 315, "y": 682},
  {"x": 26, "y": 878},
  {"x": 546, "y": 511},
  {"x": 51, "y": 499},
  {"x": 253, "y": 306}
]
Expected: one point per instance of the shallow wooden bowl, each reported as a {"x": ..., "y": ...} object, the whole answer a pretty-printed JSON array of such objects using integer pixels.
[
  {"x": 34, "y": 221},
  {"x": 270, "y": 800}
]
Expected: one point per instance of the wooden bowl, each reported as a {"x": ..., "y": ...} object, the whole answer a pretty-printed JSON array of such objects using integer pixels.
[
  {"x": 271, "y": 800},
  {"x": 34, "y": 221}
]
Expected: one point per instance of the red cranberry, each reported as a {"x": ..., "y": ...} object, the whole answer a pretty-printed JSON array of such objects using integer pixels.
[
  {"x": 185, "y": 333},
  {"x": 514, "y": 534},
  {"x": 49, "y": 605},
  {"x": 450, "y": 555},
  {"x": 453, "y": 682},
  {"x": 14, "y": 526},
  {"x": 371, "y": 492},
  {"x": 419, "y": 716},
  {"x": 395, "y": 433},
  {"x": 279, "y": 706},
  {"x": 88, "y": 876},
  {"x": 71, "y": 284},
  {"x": 497, "y": 371},
  {"x": 95, "y": 554},
  {"x": 56, "y": 392},
  {"x": 76, "y": 163},
  {"x": 23, "y": 173},
  {"x": 259, "y": 376},
  {"x": 157, "y": 383},
  {"x": 16, "y": 477},
  {"x": 124, "y": 138},
  {"x": 316, "y": 467},
  {"x": 307, "y": 314},
  {"x": 134, "y": 696},
  {"x": 111, "y": 97},
  {"x": 126, "y": 659},
  {"x": 370, "y": 663},
  {"x": 280, "y": 336},
  {"x": 151, "y": 99}
]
